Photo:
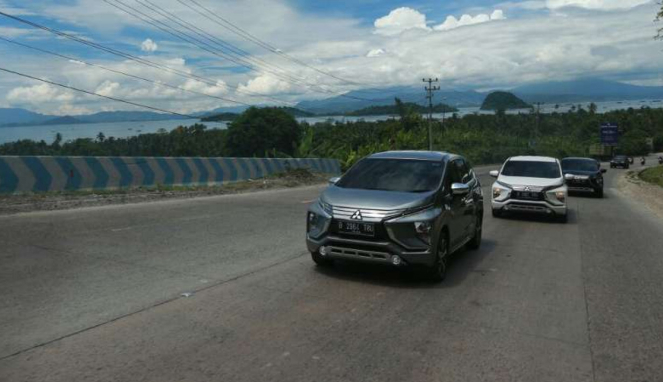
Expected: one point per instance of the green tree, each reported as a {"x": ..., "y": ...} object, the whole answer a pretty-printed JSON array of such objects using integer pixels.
[{"x": 258, "y": 130}]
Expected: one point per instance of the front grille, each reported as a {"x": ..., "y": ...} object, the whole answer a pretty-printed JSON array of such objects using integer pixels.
[
  {"x": 527, "y": 207},
  {"x": 359, "y": 253},
  {"x": 368, "y": 215}
]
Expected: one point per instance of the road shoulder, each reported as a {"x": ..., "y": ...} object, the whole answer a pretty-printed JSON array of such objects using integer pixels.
[{"x": 646, "y": 194}]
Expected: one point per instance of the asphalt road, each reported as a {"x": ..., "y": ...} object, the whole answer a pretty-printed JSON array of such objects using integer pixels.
[{"x": 97, "y": 294}]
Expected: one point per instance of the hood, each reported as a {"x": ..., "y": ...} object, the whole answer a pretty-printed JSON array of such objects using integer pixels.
[
  {"x": 524, "y": 181},
  {"x": 372, "y": 199},
  {"x": 580, "y": 172}
]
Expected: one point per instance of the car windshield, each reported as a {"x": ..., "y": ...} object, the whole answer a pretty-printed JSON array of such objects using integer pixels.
[
  {"x": 402, "y": 175},
  {"x": 580, "y": 165},
  {"x": 531, "y": 169}
]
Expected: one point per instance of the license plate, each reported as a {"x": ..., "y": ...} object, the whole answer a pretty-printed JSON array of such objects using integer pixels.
[
  {"x": 529, "y": 195},
  {"x": 364, "y": 229}
]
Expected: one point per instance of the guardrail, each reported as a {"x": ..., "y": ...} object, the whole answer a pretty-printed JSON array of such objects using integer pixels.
[{"x": 20, "y": 174}]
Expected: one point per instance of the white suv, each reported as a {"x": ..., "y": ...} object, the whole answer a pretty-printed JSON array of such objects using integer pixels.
[{"x": 530, "y": 184}]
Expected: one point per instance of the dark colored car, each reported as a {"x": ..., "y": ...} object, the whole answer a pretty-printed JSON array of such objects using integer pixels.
[
  {"x": 402, "y": 208},
  {"x": 620, "y": 161},
  {"x": 587, "y": 175}
]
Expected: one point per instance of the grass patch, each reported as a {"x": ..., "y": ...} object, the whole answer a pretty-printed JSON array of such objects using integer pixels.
[{"x": 653, "y": 175}]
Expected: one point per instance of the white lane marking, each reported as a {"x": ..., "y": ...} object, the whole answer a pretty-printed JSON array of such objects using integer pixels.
[
  {"x": 121, "y": 229},
  {"x": 308, "y": 201}
]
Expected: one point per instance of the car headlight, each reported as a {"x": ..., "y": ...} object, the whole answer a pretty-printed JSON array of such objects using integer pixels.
[
  {"x": 500, "y": 193},
  {"x": 423, "y": 230},
  {"x": 557, "y": 196}
]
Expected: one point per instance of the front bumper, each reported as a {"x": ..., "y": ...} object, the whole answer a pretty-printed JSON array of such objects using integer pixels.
[
  {"x": 527, "y": 206},
  {"x": 382, "y": 252}
]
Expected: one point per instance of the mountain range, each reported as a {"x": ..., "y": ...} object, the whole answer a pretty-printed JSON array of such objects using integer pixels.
[
  {"x": 20, "y": 117},
  {"x": 579, "y": 90}
]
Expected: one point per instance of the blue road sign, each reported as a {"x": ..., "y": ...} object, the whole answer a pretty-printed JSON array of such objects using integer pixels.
[{"x": 609, "y": 134}]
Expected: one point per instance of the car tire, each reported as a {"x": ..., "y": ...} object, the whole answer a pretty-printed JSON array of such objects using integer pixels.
[
  {"x": 563, "y": 218},
  {"x": 438, "y": 272},
  {"x": 475, "y": 243},
  {"x": 599, "y": 193},
  {"x": 497, "y": 213},
  {"x": 320, "y": 260}
]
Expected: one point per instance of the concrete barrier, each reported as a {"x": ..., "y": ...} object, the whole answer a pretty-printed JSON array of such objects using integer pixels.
[{"x": 20, "y": 174}]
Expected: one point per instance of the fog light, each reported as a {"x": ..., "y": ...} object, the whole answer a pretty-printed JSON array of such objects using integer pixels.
[
  {"x": 396, "y": 260},
  {"x": 323, "y": 251}
]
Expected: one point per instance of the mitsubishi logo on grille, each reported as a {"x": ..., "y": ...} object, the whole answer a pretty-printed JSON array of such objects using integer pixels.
[
  {"x": 357, "y": 216},
  {"x": 528, "y": 188}
]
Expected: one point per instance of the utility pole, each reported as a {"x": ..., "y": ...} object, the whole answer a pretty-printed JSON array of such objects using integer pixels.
[
  {"x": 536, "y": 128},
  {"x": 430, "y": 89}
]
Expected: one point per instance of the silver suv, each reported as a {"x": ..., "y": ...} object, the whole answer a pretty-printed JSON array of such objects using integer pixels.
[{"x": 403, "y": 208}]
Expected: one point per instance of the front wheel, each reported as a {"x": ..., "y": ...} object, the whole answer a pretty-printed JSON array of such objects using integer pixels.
[
  {"x": 320, "y": 260},
  {"x": 497, "y": 213},
  {"x": 438, "y": 272}
]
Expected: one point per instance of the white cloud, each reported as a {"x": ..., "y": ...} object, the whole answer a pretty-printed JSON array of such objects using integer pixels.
[
  {"x": 39, "y": 93},
  {"x": 400, "y": 20},
  {"x": 596, "y": 4},
  {"x": 149, "y": 46},
  {"x": 375, "y": 53},
  {"x": 108, "y": 88},
  {"x": 265, "y": 84},
  {"x": 452, "y": 22}
]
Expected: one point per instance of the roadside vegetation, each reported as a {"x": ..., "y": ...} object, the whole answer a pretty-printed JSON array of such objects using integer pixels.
[
  {"x": 272, "y": 132},
  {"x": 653, "y": 175}
]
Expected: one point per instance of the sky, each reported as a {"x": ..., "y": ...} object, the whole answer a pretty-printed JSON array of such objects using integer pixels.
[{"x": 206, "y": 54}]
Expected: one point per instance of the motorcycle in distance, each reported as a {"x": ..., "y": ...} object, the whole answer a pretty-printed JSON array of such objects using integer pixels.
[
  {"x": 630, "y": 160},
  {"x": 643, "y": 161},
  {"x": 660, "y": 160}
]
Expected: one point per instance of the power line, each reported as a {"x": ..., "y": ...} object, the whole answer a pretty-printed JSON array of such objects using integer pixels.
[
  {"x": 97, "y": 94},
  {"x": 133, "y": 58},
  {"x": 200, "y": 32},
  {"x": 159, "y": 83},
  {"x": 210, "y": 49},
  {"x": 224, "y": 23}
]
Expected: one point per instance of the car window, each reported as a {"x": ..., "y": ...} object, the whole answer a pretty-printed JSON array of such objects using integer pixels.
[
  {"x": 531, "y": 169},
  {"x": 580, "y": 165},
  {"x": 453, "y": 175},
  {"x": 463, "y": 171},
  {"x": 403, "y": 175}
]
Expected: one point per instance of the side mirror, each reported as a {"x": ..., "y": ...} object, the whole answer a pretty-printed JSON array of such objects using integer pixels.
[
  {"x": 603, "y": 171},
  {"x": 569, "y": 176},
  {"x": 460, "y": 189},
  {"x": 494, "y": 173},
  {"x": 334, "y": 180}
]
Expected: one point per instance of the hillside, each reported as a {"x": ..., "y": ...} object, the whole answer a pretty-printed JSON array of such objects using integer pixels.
[
  {"x": 361, "y": 99},
  {"x": 228, "y": 116},
  {"x": 586, "y": 89},
  {"x": 503, "y": 101},
  {"x": 221, "y": 117},
  {"x": 393, "y": 109}
]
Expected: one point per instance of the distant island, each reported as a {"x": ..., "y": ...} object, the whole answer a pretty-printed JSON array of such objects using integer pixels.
[
  {"x": 503, "y": 101},
  {"x": 229, "y": 117},
  {"x": 221, "y": 117},
  {"x": 393, "y": 109}
]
